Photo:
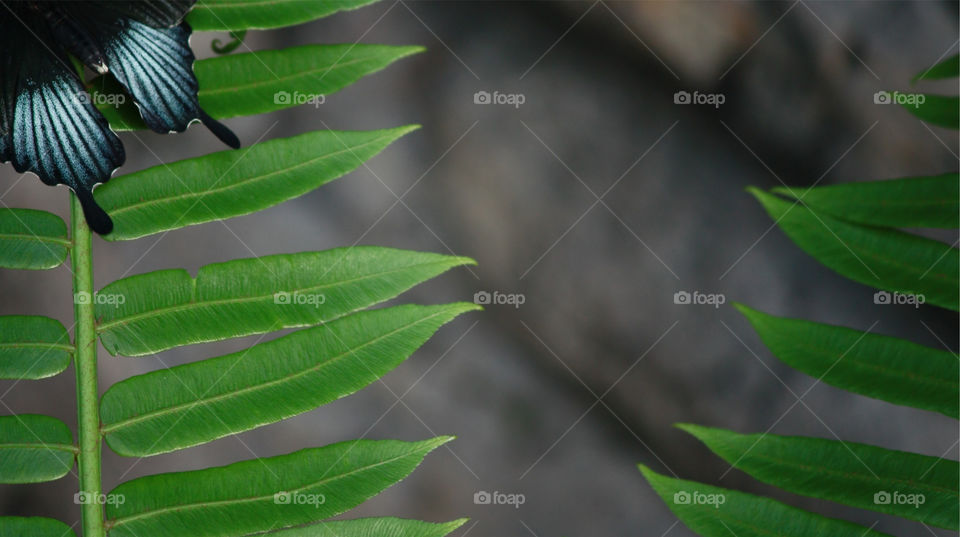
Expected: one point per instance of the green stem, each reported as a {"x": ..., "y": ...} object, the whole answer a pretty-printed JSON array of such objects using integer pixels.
[{"x": 85, "y": 363}]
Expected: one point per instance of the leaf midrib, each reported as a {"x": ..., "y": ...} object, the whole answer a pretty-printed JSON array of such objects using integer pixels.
[
  {"x": 37, "y": 344},
  {"x": 35, "y": 238},
  {"x": 159, "y": 312},
  {"x": 888, "y": 371},
  {"x": 40, "y": 446},
  {"x": 203, "y": 402},
  {"x": 229, "y": 186},
  {"x": 851, "y": 475},
  {"x": 908, "y": 269},
  {"x": 281, "y": 79},
  {"x": 174, "y": 508}
]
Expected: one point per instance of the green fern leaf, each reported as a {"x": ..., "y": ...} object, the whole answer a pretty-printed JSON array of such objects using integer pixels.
[
  {"x": 266, "y": 80},
  {"x": 932, "y": 202},
  {"x": 232, "y": 183},
  {"x": 32, "y": 347},
  {"x": 34, "y": 448},
  {"x": 32, "y": 239},
  {"x": 718, "y": 512},
  {"x": 916, "y": 487},
  {"x": 262, "y": 494},
  {"x": 231, "y": 15},
  {"x": 196, "y": 403},
  {"x": 882, "y": 258},
  {"x": 883, "y": 367},
  {"x": 156, "y": 311}
]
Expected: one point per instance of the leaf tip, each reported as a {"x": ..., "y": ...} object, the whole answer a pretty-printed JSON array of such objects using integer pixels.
[
  {"x": 406, "y": 129},
  {"x": 454, "y": 524},
  {"x": 434, "y": 443},
  {"x": 463, "y": 261},
  {"x": 787, "y": 191},
  {"x": 652, "y": 477},
  {"x": 697, "y": 431},
  {"x": 743, "y": 308}
]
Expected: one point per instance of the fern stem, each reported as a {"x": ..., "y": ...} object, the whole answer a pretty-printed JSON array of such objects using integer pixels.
[{"x": 85, "y": 363}]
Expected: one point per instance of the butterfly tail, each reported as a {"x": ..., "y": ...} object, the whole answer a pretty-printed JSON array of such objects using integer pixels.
[
  {"x": 96, "y": 217},
  {"x": 220, "y": 130}
]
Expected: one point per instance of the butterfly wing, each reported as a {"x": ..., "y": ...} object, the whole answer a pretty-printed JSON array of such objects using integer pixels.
[
  {"x": 156, "y": 66},
  {"x": 49, "y": 126}
]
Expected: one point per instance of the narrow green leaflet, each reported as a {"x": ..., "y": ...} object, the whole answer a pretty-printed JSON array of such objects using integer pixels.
[
  {"x": 907, "y": 485},
  {"x": 932, "y": 202},
  {"x": 882, "y": 258},
  {"x": 16, "y": 526},
  {"x": 371, "y": 527},
  {"x": 718, "y": 512},
  {"x": 269, "y": 80},
  {"x": 229, "y": 15},
  {"x": 159, "y": 310},
  {"x": 949, "y": 68},
  {"x": 263, "y": 494},
  {"x": 939, "y": 110},
  {"x": 191, "y": 404},
  {"x": 34, "y": 448},
  {"x": 232, "y": 183},
  {"x": 883, "y": 367},
  {"x": 31, "y": 239},
  {"x": 32, "y": 347}
]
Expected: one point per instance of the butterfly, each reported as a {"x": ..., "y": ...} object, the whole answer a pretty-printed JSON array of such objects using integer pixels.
[{"x": 48, "y": 124}]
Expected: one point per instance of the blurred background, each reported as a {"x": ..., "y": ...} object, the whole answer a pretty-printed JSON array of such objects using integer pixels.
[{"x": 593, "y": 201}]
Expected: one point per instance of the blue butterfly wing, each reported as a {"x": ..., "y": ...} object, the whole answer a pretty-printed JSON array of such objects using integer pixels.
[
  {"x": 155, "y": 65},
  {"x": 49, "y": 125}
]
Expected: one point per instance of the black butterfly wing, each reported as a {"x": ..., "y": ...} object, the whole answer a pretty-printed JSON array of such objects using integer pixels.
[
  {"x": 156, "y": 66},
  {"x": 154, "y": 13},
  {"x": 49, "y": 125}
]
